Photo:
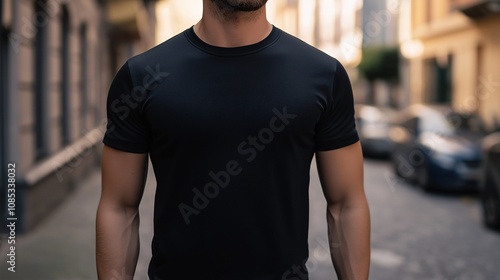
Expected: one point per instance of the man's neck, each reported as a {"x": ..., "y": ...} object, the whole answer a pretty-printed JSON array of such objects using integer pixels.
[{"x": 234, "y": 29}]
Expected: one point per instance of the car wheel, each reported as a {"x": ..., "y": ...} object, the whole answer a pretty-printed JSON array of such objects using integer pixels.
[
  {"x": 490, "y": 199},
  {"x": 423, "y": 179}
]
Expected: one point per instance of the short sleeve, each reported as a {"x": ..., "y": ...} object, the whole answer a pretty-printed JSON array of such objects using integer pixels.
[
  {"x": 126, "y": 128},
  {"x": 337, "y": 128}
]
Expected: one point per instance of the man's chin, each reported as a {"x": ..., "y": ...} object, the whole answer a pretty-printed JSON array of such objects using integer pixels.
[{"x": 240, "y": 5}]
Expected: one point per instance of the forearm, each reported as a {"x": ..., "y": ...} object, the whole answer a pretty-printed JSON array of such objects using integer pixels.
[
  {"x": 117, "y": 242},
  {"x": 349, "y": 235}
]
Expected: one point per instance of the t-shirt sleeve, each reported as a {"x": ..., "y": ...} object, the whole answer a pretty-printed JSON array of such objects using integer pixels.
[
  {"x": 337, "y": 128},
  {"x": 126, "y": 129}
]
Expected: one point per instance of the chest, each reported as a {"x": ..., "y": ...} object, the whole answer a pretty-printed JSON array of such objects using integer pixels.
[{"x": 218, "y": 103}]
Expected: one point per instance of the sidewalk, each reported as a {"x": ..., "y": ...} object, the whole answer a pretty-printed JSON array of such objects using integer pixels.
[{"x": 63, "y": 246}]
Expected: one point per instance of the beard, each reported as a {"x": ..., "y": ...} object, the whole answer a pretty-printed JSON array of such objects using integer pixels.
[{"x": 239, "y": 5}]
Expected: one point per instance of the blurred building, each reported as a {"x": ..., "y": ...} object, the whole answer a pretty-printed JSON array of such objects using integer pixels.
[
  {"x": 453, "y": 52},
  {"x": 285, "y": 15},
  {"x": 175, "y": 16},
  {"x": 57, "y": 60},
  {"x": 334, "y": 26},
  {"x": 380, "y": 22}
]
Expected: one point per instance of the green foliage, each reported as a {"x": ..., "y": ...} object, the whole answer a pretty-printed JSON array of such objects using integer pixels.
[{"x": 380, "y": 63}]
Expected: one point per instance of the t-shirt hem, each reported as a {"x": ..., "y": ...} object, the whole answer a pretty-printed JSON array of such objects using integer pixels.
[
  {"x": 124, "y": 147},
  {"x": 339, "y": 143}
]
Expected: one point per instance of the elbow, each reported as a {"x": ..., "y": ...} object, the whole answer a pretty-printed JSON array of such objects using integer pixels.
[
  {"x": 107, "y": 208},
  {"x": 118, "y": 208},
  {"x": 356, "y": 202}
]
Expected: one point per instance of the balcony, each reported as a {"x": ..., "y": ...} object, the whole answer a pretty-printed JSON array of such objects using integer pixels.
[
  {"x": 477, "y": 9},
  {"x": 127, "y": 17}
]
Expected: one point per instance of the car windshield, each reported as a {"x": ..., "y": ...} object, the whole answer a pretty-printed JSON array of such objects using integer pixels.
[{"x": 450, "y": 123}]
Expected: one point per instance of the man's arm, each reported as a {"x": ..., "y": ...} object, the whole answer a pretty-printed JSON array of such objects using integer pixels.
[
  {"x": 348, "y": 217},
  {"x": 117, "y": 226}
]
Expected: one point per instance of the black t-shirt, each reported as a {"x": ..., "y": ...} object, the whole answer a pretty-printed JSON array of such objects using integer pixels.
[{"x": 231, "y": 133}]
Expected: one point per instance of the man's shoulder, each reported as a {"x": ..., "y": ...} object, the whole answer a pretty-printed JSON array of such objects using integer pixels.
[
  {"x": 298, "y": 47},
  {"x": 159, "y": 53}
]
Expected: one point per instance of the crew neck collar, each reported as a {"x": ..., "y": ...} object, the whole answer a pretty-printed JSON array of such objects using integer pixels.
[{"x": 233, "y": 51}]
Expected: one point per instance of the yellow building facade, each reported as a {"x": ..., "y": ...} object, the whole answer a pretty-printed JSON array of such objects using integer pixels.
[{"x": 454, "y": 57}]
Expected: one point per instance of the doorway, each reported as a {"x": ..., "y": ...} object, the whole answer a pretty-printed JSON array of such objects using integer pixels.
[{"x": 439, "y": 80}]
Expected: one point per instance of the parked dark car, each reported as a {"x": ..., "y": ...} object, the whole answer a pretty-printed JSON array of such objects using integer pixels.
[
  {"x": 437, "y": 147},
  {"x": 490, "y": 181},
  {"x": 373, "y": 124}
]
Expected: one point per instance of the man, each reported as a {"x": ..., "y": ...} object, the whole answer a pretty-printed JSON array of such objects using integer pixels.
[{"x": 231, "y": 113}]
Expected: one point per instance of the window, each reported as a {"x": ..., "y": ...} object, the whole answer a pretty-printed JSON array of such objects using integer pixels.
[
  {"x": 65, "y": 77},
  {"x": 439, "y": 80},
  {"x": 428, "y": 11},
  {"x": 41, "y": 123},
  {"x": 83, "y": 78}
]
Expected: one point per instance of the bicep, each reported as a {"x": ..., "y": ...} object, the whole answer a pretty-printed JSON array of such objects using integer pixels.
[
  {"x": 341, "y": 173},
  {"x": 123, "y": 177}
]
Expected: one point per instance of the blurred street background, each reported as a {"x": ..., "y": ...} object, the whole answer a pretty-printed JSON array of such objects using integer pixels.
[{"x": 426, "y": 81}]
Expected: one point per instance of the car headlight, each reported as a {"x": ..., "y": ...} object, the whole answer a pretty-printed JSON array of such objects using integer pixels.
[{"x": 444, "y": 160}]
